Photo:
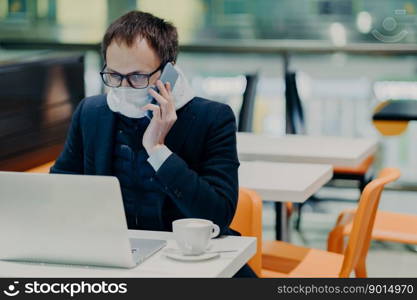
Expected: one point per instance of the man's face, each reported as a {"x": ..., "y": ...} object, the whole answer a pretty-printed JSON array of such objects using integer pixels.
[{"x": 139, "y": 58}]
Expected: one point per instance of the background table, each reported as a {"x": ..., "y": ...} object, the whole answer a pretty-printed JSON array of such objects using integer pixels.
[
  {"x": 157, "y": 265},
  {"x": 336, "y": 151},
  {"x": 284, "y": 182}
]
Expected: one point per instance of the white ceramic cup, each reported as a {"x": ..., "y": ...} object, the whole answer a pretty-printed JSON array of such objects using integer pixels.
[{"x": 193, "y": 235}]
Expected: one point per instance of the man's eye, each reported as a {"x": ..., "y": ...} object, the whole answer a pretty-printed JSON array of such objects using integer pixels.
[
  {"x": 137, "y": 77},
  {"x": 114, "y": 76}
]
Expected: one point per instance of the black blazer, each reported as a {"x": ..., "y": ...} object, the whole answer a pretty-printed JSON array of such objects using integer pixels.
[{"x": 200, "y": 178}]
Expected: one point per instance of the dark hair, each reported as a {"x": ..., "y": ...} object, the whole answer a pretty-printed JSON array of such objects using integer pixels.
[{"x": 161, "y": 35}]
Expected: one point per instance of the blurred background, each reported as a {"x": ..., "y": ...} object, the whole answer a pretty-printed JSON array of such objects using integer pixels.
[{"x": 349, "y": 56}]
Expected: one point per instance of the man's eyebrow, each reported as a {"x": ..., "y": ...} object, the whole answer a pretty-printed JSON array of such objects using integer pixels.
[{"x": 134, "y": 72}]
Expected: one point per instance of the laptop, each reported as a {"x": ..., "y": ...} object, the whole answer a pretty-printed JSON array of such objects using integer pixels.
[{"x": 67, "y": 219}]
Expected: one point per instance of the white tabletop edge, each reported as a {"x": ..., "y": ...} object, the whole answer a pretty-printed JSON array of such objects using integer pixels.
[
  {"x": 318, "y": 184},
  {"x": 325, "y": 173},
  {"x": 278, "y": 157},
  {"x": 225, "y": 266},
  {"x": 240, "y": 261}
]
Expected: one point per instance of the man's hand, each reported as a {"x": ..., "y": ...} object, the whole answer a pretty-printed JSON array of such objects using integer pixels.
[{"x": 164, "y": 116}]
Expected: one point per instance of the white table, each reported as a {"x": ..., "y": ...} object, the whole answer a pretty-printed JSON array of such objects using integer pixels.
[
  {"x": 336, "y": 151},
  {"x": 284, "y": 182},
  {"x": 157, "y": 265}
]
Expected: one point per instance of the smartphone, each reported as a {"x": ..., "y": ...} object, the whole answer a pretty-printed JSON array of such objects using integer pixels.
[{"x": 169, "y": 74}]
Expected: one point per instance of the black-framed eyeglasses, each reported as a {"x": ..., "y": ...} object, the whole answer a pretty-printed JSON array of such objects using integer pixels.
[{"x": 136, "y": 80}]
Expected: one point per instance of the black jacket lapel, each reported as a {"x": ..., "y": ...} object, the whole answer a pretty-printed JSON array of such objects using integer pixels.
[
  {"x": 104, "y": 138},
  {"x": 179, "y": 132}
]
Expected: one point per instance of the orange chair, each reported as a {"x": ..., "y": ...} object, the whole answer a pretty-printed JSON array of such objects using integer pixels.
[
  {"x": 355, "y": 173},
  {"x": 280, "y": 259},
  {"x": 42, "y": 168},
  {"x": 361, "y": 173},
  {"x": 389, "y": 226},
  {"x": 248, "y": 221}
]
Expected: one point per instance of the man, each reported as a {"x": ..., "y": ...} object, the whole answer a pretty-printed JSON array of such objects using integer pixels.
[{"x": 181, "y": 162}]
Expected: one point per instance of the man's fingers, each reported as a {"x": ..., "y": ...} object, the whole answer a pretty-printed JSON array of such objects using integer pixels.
[
  {"x": 168, "y": 87},
  {"x": 164, "y": 105},
  {"x": 162, "y": 89},
  {"x": 156, "y": 110},
  {"x": 158, "y": 97},
  {"x": 170, "y": 98}
]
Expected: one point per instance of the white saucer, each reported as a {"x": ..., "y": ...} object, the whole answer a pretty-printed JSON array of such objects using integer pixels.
[{"x": 177, "y": 255}]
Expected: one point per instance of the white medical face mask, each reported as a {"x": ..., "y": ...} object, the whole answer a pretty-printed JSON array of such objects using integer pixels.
[{"x": 128, "y": 101}]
